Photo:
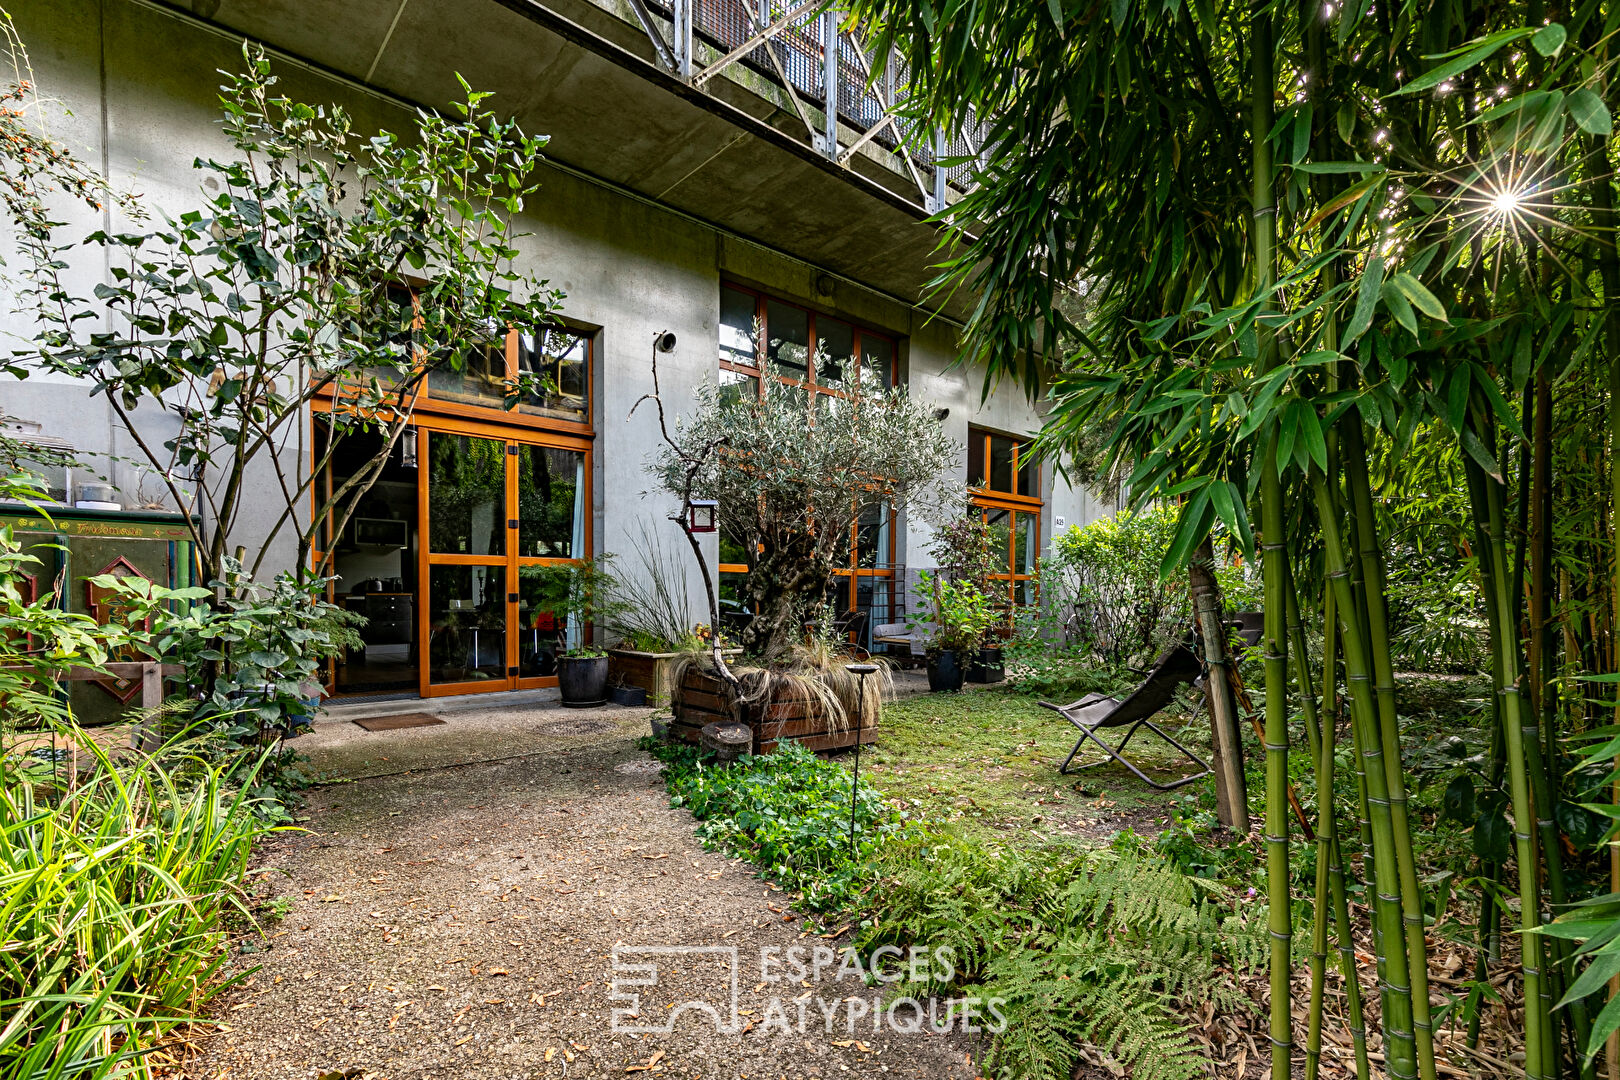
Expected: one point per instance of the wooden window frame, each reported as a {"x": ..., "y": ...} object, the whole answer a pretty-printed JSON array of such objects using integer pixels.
[
  {"x": 425, "y": 402},
  {"x": 887, "y": 560},
  {"x": 986, "y": 499}
]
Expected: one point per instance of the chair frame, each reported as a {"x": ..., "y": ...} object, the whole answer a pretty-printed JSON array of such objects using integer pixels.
[{"x": 1118, "y": 752}]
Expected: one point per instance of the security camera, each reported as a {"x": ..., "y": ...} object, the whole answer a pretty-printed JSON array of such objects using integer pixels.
[{"x": 664, "y": 341}]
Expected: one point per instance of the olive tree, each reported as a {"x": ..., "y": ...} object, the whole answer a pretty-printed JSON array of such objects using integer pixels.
[{"x": 793, "y": 471}]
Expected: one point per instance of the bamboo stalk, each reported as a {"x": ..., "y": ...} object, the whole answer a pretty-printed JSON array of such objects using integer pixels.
[
  {"x": 1399, "y": 1041},
  {"x": 1372, "y": 563},
  {"x": 1488, "y": 514},
  {"x": 1329, "y": 860},
  {"x": 1273, "y": 555}
]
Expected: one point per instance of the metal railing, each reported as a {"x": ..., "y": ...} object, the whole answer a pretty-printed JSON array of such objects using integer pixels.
[{"x": 819, "y": 67}]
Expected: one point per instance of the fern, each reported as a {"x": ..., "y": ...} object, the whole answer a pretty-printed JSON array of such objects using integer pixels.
[{"x": 1095, "y": 947}]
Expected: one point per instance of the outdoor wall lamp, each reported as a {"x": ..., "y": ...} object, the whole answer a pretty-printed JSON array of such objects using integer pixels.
[
  {"x": 700, "y": 515},
  {"x": 664, "y": 341}
]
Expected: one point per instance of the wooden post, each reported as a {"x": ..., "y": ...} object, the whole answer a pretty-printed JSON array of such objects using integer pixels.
[
  {"x": 148, "y": 734},
  {"x": 1231, "y": 793}
]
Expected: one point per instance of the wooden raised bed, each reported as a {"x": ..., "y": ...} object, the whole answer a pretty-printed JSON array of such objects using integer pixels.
[
  {"x": 648, "y": 670},
  {"x": 704, "y": 701}
]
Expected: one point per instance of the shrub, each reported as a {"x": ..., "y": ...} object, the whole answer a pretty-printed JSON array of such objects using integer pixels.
[
  {"x": 1079, "y": 946},
  {"x": 114, "y": 892},
  {"x": 1102, "y": 596},
  {"x": 787, "y": 812}
]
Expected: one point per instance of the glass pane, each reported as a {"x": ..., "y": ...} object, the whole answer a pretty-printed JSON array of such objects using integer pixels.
[
  {"x": 481, "y": 382},
  {"x": 872, "y": 535},
  {"x": 737, "y": 314},
  {"x": 466, "y": 495},
  {"x": 977, "y": 477},
  {"x": 551, "y": 502},
  {"x": 1001, "y": 476},
  {"x": 1025, "y": 532},
  {"x": 835, "y": 347},
  {"x": 1000, "y": 522},
  {"x": 466, "y": 623},
  {"x": 877, "y": 358},
  {"x": 1024, "y": 591},
  {"x": 788, "y": 331},
  {"x": 564, "y": 357},
  {"x": 375, "y": 564},
  {"x": 540, "y": 633},
  {"x": 1029, "y": 475},
  {"x": 736, "y": 387},
  {"x": 734, "y": 613},
  {"x": 731, "y": 552}
]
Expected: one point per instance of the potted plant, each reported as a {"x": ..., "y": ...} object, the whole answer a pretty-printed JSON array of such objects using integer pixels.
[
  {"x": 579, "y": 595},
  {"x": 962, "y": 617}
]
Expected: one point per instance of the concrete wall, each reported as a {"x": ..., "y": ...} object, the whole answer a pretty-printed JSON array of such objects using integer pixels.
[{"x": 136, "y": 95}]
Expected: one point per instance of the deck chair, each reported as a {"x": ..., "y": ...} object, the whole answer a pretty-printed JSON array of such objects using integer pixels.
[{"x": 1096, "y": 712}]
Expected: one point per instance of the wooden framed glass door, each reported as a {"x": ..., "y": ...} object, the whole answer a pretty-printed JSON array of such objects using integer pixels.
[{"x": 498, "y": 508}]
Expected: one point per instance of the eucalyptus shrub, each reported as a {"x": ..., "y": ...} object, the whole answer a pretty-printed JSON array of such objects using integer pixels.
[{"x": 282, "y": 284}]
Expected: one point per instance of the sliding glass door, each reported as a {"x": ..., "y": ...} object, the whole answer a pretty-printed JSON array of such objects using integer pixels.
[{"x": 500, "y": 511}]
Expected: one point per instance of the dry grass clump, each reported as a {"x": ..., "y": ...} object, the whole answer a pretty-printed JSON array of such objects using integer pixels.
[{"x": 814, "y": 672}]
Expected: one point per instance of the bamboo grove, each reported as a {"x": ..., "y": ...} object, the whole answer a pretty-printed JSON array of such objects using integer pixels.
[{"x": 1293, "y": 261}]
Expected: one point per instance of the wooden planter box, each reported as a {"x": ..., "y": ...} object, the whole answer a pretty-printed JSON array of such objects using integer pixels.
[
  {"x": 648, "y": 670},
  {"x": 704, "y": 701}
]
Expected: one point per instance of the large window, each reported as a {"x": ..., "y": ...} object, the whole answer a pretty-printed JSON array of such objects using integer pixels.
[
  {"x": 562, "y": 355},
  {"x": 1006, "y": 486},
  {"x": 792, "y": 337}
]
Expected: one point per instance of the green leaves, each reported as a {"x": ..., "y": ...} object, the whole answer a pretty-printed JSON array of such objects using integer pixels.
[
  {"x": 1589, "y": 112},
  {"x": 1549, "y": 40},
  {"x": 1463, "y": 59}
]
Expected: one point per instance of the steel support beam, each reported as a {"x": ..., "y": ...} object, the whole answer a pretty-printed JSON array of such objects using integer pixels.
[
  {"x": 829, "y": 83},
  {"x": 683, "y": 38},
  {"x": 665, "y": 56}
]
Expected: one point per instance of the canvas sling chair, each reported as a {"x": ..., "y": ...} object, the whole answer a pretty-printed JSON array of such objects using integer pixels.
[{"x": 1097, "y": 712}]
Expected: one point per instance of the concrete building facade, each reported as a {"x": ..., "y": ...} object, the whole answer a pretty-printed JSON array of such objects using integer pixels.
[{"x": 673, "y": 187}]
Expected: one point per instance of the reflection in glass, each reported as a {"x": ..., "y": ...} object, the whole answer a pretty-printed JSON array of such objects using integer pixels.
[
  {"x": 466, "y": 623},
  {"x": 737, "y": 312},
  {"x": 736, "y": 387},
  {"x": 789, "y": 330},
  {"x": 1001, "y": 455},
  {"x": 877, "y": 358},
  {"x": 734, "y": 613},
  {"x": 466, "y": 495},
  {"x": 837, "y": 340},
  {"x": 482, "y": 381},
  {"x": 1029, "y": 474},
  {"x": 540, "y": 633},
  {"x": 564, "y": 357},
  {"x": 551, "y": 502},
  {"x": 872, "y": 534},
  {"x": 1000, "y": 522},
  {"x": 1024, "y": 533},
  {"x": 976, "y": 474},
  {"x": 732, "y": 552}
]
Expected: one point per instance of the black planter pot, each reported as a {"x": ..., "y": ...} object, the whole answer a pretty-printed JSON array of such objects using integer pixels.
[
  {"x": 944, "y": 671},
  {"x": 583, "y": 680},
  {"x": 987, "y": 668},
  {"x": 628, "y": 695}
]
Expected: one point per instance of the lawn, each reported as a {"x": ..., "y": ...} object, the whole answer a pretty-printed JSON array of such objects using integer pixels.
[{"x": 987, "y": 762}]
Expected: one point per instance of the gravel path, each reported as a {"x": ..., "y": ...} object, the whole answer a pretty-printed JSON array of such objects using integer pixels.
[{"x": 462, "y": 921}]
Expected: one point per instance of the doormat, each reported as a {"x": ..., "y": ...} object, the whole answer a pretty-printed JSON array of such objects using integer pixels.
[{"x": 399, "y": 720}]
